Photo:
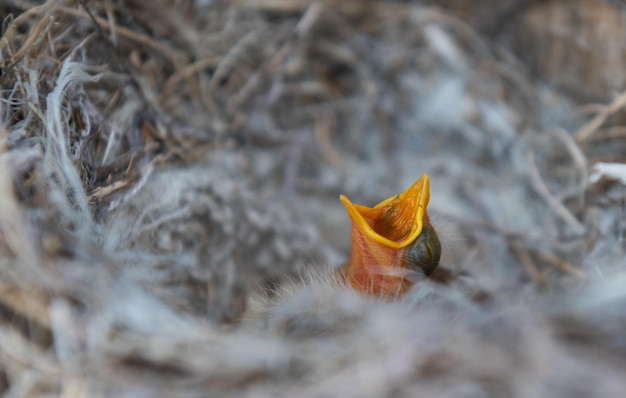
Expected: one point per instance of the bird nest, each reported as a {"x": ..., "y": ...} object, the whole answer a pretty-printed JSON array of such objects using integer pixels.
[{"x": 169, "y": 181}]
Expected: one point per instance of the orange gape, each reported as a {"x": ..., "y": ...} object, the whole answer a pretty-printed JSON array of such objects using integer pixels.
[{"x": 385, "y": 244}]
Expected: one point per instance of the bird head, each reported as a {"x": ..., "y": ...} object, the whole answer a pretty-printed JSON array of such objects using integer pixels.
[{"x": 393, "y": 244}]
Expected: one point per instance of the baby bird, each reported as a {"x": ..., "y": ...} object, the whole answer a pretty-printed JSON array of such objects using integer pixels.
[{"x": 393, "y": 244}]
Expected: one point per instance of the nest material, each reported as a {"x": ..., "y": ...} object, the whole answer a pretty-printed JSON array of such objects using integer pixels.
[{"x": 169, "y": 217}]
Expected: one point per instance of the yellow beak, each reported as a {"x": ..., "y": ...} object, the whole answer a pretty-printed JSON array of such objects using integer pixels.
[{"x": 380, "y": 236}]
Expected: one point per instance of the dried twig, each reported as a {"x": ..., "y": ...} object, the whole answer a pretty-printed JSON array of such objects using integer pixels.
[
  {"x": 185, "y": 73},
  {"x": 594, "y": 124},
  {"x": 541, "y": 188},
  {"x": 579, "y": 161},
  {"x": 36, "y": 35},
  {"x": 561, "y": 264},
  {"x": 173, "y": 57},
  {"x": 29, "y": 305},
  {"x": 527, "y": 263}
]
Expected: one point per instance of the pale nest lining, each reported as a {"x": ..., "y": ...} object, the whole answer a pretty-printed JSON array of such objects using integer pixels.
[{"x": 169, "y": 213}]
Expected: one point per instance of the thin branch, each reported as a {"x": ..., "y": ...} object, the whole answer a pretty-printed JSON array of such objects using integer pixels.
[
  {"x": 542, "y": 189},
  {"x": 594, "y": 124}
]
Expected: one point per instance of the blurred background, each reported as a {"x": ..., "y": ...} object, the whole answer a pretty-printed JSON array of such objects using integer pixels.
[{"x": 168, "y": 160}]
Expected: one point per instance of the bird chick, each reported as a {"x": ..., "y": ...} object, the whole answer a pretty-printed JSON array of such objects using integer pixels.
[{"x": 393, "y": 244}]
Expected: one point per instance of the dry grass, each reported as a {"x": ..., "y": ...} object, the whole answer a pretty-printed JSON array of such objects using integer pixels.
[{"x": 169, "y": 174}]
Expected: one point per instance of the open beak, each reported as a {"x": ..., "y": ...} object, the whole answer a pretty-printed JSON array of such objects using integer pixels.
[{"x": 383, "y": 238}]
